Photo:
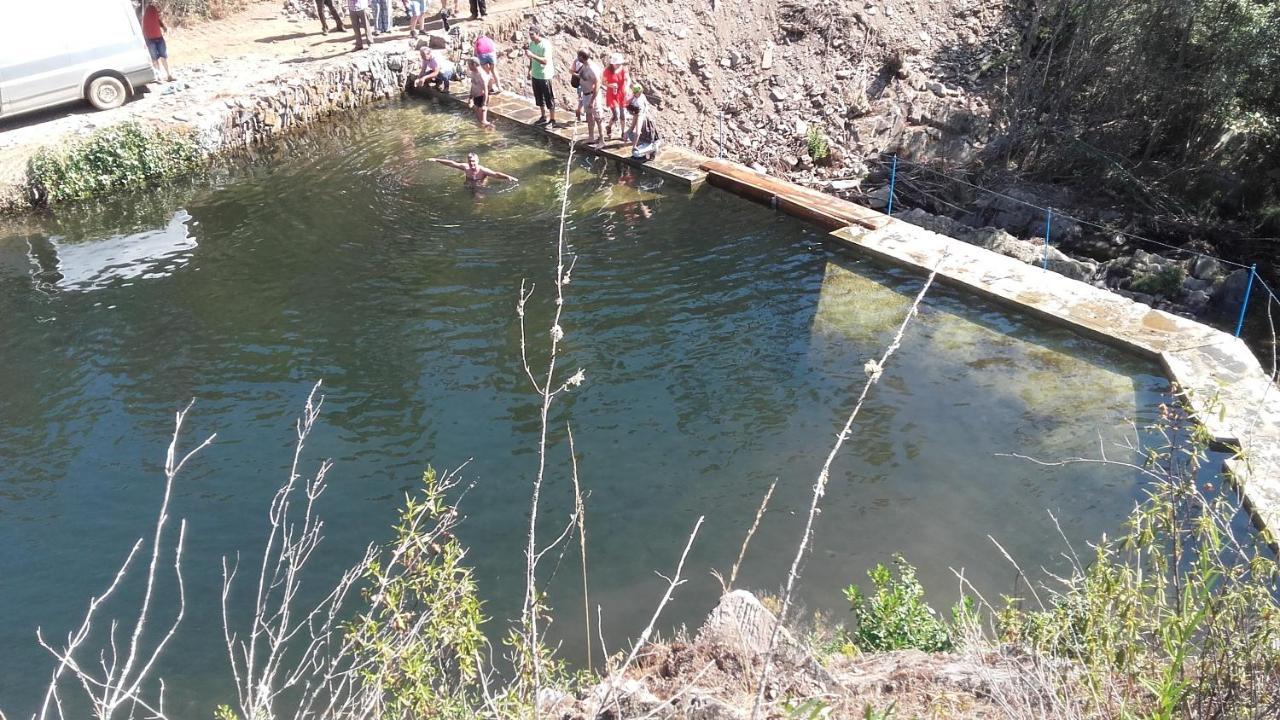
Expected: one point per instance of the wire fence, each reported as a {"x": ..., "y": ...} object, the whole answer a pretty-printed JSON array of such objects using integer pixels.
[{"x": 1253, "y": 278}]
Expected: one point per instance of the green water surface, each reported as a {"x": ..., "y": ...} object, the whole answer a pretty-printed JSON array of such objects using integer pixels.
[{"x": 723, "y": 346}]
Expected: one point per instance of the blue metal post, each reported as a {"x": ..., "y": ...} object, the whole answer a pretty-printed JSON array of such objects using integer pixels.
[
  {"x": 1253, "y": 270},
  {"x": 1048, "y": 226},
  {"x": 893, "y": 178}
]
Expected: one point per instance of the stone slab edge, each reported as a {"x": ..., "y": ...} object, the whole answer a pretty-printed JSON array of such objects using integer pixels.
[
  {"x": 1215, "y": 374},
  {"x": 674, "y": 163}
]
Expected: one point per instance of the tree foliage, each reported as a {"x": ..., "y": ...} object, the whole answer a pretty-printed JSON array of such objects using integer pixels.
[{"x": 1173, "y": 102}]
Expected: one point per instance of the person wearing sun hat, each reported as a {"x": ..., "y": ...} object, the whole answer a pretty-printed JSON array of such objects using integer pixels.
[{"x": 617, "y": 83}]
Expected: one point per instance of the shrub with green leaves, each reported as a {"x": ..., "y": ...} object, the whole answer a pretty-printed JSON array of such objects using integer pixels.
[
  {"x": 420, "y": 641},
  {"x": 816, "y": 144},
  {"x": 1165, "y": 282},
  {"x": 1179, "y": 617},
  {"x": 895, "y": 616},
  {"x": 124, "y": 155}
]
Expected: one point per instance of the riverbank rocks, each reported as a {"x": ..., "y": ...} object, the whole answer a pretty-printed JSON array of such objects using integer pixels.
[
  {"x": 1032, "y": 252},
  {"x": 714, "y": 676}
]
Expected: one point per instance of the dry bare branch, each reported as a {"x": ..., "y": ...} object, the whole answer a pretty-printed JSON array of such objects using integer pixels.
[
  {"x": 874, "y": 370},
  {"x": 115, "y": 687}
]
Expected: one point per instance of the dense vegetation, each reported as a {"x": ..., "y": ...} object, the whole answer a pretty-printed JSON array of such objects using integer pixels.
[
  {"x": 120, "y": 156},
  {"x": 1170, "y": 104},
  {"x": 1176, "y": 618}
]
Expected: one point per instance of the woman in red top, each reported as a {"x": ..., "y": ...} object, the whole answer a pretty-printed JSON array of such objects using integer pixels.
[
  {"x": 616, "y": 90},
  {"x": 153, "y": 28}
]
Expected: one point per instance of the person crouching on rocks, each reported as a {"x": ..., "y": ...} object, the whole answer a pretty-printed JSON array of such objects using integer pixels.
[
  {"x": 480, "y": 81},
  {"x": 437, "y": 70},
  {"x": 643, "y": 133}
]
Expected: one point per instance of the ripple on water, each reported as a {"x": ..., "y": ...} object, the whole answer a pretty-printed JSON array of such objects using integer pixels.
[{"x": 722, "y": 346}]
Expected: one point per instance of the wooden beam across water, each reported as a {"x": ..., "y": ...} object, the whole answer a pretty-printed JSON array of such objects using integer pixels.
[{"x": 826, "y": 211}]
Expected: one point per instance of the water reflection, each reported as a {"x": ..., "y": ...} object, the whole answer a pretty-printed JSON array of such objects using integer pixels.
[{"x": 87, "y": 264}]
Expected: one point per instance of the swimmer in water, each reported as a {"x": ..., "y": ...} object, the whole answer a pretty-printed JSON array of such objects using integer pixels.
[{"x": 477, "y": 174}]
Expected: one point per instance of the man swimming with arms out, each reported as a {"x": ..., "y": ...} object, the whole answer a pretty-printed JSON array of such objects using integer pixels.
[{"x": 477, "y": 174}]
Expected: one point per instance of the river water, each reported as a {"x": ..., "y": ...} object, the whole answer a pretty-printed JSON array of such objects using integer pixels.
[{"x": 723, "y": 346}]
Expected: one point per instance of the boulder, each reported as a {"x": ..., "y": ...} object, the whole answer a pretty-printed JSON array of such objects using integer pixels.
[
  {"x": 1033, "y": 252},
  {"x": 1205, "y": 268},
  {"x": 1229, "y": 295}
]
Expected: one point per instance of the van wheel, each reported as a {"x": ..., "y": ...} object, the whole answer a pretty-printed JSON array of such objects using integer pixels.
[{"x": 107, "y": 92}]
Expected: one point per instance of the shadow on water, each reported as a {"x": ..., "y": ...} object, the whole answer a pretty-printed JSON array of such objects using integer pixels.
[{"x": 722, "y": 345}]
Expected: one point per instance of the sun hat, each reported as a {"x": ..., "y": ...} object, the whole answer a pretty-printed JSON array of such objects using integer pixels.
[
  {"x": 617, "y": 59},
  {"x": 636, "y": 88}
]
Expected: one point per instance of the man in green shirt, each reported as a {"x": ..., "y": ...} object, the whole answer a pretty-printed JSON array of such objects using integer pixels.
[{"x": 542, "y": 69}]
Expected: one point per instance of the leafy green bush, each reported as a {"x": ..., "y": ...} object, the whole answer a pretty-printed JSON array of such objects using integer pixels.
[
  {"x": 1167, "y": 282},
  {"x": 816, "y": 144},
  {"x": 181, "y": 10},
  {"x": 125, "y": 155},
  {"x": 896, "y": 617},
  {"x": 420, "y": 641},
  {"x": 1179, "y": 617}
]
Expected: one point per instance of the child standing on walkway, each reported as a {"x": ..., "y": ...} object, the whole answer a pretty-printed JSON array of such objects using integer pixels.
[{"x": 480, "y": 81}]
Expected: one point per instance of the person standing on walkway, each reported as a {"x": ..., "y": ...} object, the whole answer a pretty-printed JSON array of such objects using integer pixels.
[
  {"x": 337, "y": 19},
  {"x": 591, "y": 77},
  {"x": 359, "y": 10},
  {"x": 617, "y": 88},
  {"x": 417, "y": 12},
  {"x": 153, "y": 29},
  {"x": 381, "y": 17},
  {"x": 478, "y": 9},
  {"x": 542, "y": 69},
  {"x": 487, "y": 53},
  {"x": 480, "y": 81},
  {"x": 448, "y": 9}
]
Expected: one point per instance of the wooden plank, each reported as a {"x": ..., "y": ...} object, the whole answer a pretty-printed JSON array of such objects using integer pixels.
[{"x": 828, "y": 211}]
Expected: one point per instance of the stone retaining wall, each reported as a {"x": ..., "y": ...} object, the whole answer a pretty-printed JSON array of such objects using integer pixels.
[
  {"x": 295, "y": 100},
  {"x": 261, "y": 111}
]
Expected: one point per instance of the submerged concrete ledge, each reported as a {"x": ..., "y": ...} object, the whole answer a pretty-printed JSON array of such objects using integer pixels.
[{"x": 1221, "y": 381}]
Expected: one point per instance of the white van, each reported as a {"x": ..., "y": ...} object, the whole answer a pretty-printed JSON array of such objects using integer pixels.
[{"x": 82, "y": 50}]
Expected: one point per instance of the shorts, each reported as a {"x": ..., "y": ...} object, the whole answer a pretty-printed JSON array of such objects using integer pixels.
[
  {"x": 487, "y": 58},
  {"x": 543, "y": 96},
  {"x": 478, "y": 100},
  {"x": 415, "y": 8},
  {"x": 157, "y": 48}
]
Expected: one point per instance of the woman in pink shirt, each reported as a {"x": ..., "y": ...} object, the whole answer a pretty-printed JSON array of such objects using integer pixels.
[{"x": 487, "y": 53}]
